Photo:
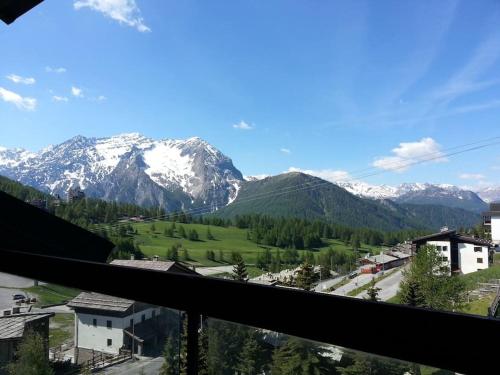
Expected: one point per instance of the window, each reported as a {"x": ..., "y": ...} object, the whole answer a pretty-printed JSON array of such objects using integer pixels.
[
  {"x": 445, "y": 248},
  {"x": 480, "y": 260},
  {"x": 109, "y": 324},
  {"x": 444, "y": 259},
  {"x": 110, "y": 342},
  {"x": 143, "y": 317},
  {"x": 478, "y": 249},
  {"x": 438, "y": 248},
  {"x": 94, "y": 322}
]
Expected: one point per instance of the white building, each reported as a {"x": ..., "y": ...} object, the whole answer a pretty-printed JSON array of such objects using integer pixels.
[
  {"x": 462, "y": 254},
  {"x": 112, "y": 325},
  {"x": 492, "y": 221}
]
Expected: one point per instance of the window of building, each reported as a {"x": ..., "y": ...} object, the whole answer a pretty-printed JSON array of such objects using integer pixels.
[
  {"x": 109, "y": 324},
  {"x": 445, "y": 248},
  {"x": 480, "y": 260},
  {"x": 444, "y": 259},
  {"x": 110, "y": 342},
  {"x": 438, "y": 248},
  {"x": 143, "y": 317},
  {"x": 94, "y": 322},
  {"x": 478, "y": 249}
]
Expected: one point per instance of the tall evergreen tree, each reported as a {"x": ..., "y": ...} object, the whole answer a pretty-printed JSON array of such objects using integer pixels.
[
  {"x": 182, "y": 231},
  {"x": 240, "y": 269},
  {"x": 210, "y": 236},
  {"x": 251, "y": 359},
  {"x": 373, "y": 291},
  {"x": 171, "y": 357},
  {"x": 297, "y": 356}
]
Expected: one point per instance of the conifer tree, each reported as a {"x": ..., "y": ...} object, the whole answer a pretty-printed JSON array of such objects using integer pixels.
[
  {"x": 182, "y": 231},
  {"x": 171, "y": 358},
  {"x": 373, "y": 291},
  {"x": 250, "y": 360},
  {"x": 240, "y": 269},
  {"x": 210, "y": 237}
]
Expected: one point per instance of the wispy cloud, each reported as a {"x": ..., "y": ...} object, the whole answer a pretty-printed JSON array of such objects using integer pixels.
[
  {"x": 285, "y": 150},
  {"x": 471, "y": 176},
  {"x": 59, "y": 70},
  {"x": 427, "y": 149},
  {"x": 58, "y": 98},
  {"x": 25, "y": 103},
  {"x": 124, "y": 11},
  {"x": 331, "y": 175},
  {"x": 77, "y": 92},
  {"x": 18, "y": 79},
  {"x": 242, "y": 125}
]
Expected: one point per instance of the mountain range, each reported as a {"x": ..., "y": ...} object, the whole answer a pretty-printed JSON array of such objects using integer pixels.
[{"x": 193, "y": 175}]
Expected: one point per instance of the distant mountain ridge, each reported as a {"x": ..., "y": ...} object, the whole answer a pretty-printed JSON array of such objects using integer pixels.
[
  {"x": 173, "y": 174},
  {"x": 419, "y": 193},
  {"x": 300, "y": 195}
]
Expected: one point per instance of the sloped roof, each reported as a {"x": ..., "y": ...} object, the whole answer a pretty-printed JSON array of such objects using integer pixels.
[
  {"x": 13, "y": 326},
  {"x": 452, "y": 234},
  {"x": 382, "y": 258},
  {"x": 153, "y": 265},
  {"x": 97, "y": 301}
]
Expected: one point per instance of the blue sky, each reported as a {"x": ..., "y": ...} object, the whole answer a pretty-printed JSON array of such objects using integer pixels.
[{"x": 332, "y": 87}]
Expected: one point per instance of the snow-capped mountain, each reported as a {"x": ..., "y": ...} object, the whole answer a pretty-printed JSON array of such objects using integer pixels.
[
  {"x": 490, "y": 194},
  {"x": 130, "y": 167},
  {"x": 419, "y": 193}
]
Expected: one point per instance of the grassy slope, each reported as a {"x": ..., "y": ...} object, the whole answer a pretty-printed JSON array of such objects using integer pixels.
[{"x": 226, "y": 239}]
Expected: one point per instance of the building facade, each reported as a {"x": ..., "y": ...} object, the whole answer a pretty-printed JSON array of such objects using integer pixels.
[
  {"x": 491, "y": 221},
  {"x": 463, "y": 254}
]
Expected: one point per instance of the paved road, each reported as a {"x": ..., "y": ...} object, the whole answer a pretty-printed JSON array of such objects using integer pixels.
[
  {"x": 6, "y": 301},
  {"x": 206, "y": 271},
  {"x": 358, "y": 281},
  {"x": 147, "y": 366},
  {"x": 12, "y": 281},
  {"x": 327, "y": 283},
  {"x": 389, "y": 286}
]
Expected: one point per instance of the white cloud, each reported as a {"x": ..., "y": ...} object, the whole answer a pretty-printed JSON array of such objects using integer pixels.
[
  {"x": 407, "y": 153},
  {"x": 285, "y": 150},
  {"x": 331, "y": 175},
  {"x": 471, "y": 176},
  {"x": 124, "y": 11},
  {"x": 101, "y": 98},
  {"x": 18, "y": 79},
  {"x": 57, "y": 98},
  {"x": 242, "y": 125},
  {"x": 28, "y": 104},
  {"x": 75, "y": 91},
  {"x": 59, "y": 70},
  {"x": 256, "y": 177}
]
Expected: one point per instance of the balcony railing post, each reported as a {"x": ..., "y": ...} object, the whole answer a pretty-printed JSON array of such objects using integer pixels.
[{"x": 192, "y": 342}]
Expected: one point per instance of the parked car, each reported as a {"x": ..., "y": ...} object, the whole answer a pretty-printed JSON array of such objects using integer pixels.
[
  {"x": 353, "y": 274},
  {"x": 16, "y": 297}
]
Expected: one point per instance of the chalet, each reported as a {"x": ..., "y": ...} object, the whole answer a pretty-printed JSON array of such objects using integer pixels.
[
  {"x": 113, "y": 325},
  {"x": 491, "y": 221},
  {"x": 462, "y": 253},
  {"x": 75, "y": 194},
  {"x": 14, "y": 327}
]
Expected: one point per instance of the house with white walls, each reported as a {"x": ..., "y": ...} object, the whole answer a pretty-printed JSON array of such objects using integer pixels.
[
  {"x": 491, "y": 221},
  {"x": 111, "y": 325},
  {"x": 463, "y": 254}
]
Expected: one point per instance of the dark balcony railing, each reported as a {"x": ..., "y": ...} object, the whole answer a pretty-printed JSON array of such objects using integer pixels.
[{"x": 458, "y": 342}]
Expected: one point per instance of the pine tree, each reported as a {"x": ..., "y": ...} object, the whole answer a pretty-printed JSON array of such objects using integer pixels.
[
  {"x": 221, "y": 256},
  {"x": 31, "y": 357},
  {"x": 193, "y": 235},
  {"x": 240, "y": 269},
  {"x": 298, "y": 356},
  {"x": 305, "y": 277},
  {"x": 182, "y": 231},
  {"x": 373, "y": 291},
  {"x": 185, "y": 254},
  {"x": 171, "y": 357},
  {"x": 251, "y": 358},
  {"x": 210, "y": 237},
  {"x": 153, "y": 228}
]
